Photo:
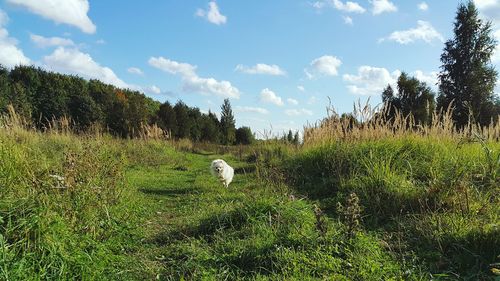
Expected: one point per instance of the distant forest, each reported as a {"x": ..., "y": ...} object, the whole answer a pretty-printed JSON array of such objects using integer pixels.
[{"x": 41, "y": 96}]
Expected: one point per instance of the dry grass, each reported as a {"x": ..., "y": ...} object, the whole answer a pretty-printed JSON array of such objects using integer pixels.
[{"x": 373, "y": 124}]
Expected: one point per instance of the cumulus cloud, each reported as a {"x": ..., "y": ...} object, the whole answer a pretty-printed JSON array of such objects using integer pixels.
[
  {"x": 325, "y": 65},
  {"x": 292, "y": 101},
  {"x": 213, "y": 14},
  {"x": 268, "y": 96},
  {"x": 301, "y": 88},
  {"x": 192, "y": 82},
  {"x": 72, "y": 61},
  {"x": 298, "y": 112},
  {"x": 71, "y": 12},
  {"x": 430, "y": 78},
  {"x": 10, "y": 54},
  {"x": 261, "y": 68},
  {"x": 347, "y": 7},
  {"x": 370, "y": 80},
  {"x": 135, "y": 70},
  {"x": 210, "y": 86},
  {"x": 44, "y": 42},
  {"x": 383, "y": 6},
  {"x": 251, "y": 109},
  {"x": 490, "y": 9},
  {"x": 424, "y": 31},
  {"x": 173, "y": 67},
  {"x": 423, "y": 6}
]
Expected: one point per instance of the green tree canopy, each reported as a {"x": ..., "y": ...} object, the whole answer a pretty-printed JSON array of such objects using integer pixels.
[
  {"x": 467, "y": 77},
  {"x": 244, "y": 135},
  {"x": 412, "y": 97}
]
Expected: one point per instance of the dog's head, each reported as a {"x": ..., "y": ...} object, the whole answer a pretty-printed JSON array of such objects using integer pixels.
[{"x": 218, "y": 166}]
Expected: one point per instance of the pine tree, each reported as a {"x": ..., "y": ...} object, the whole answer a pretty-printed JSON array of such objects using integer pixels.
[
  {"x": 467, "y": 77},
  {"x": 227, "y": 123}
]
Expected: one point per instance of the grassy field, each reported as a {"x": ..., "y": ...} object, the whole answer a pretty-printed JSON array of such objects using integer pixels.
[{"x": 99, "y": 208}]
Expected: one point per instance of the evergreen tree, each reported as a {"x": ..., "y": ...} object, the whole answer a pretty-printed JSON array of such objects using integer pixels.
[
  {"x": 467, "y": 77},
  {"x": 227, "y": 123}
]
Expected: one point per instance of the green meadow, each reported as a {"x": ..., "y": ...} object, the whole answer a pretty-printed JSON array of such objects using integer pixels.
[{"x": 99, "y": 208}]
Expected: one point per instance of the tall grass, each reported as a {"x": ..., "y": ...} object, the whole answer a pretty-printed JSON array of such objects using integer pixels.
[
  {"x": 430, "y": 191},
  {"x": 375, "y": 124},
  {"x": 61, "y": 204}
]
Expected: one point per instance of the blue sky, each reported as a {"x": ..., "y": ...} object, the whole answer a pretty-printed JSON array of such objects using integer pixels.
[{"x": 278, "y": 61}]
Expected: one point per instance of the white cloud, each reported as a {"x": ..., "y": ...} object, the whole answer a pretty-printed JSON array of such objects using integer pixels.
[
  {"x": 251, "y": 109},
  {"x": 424, "y": 31},
  {"x": 192, "y": 82},
  {"x": 44, "y": 42},
  {"x": 423, "y": 6},
  {"x": 73, "y": 61},
  {"x": 10, "y": 54},
  {"x": 100, "y": 42},
  {"x": 268, "y": 96},
  {"x": 349, "y": 7},
  {"x": 173, "y": 67},
  {"x": 347, "y": 20},
  {"x": 213, "y": 14},
  {"x": 153, "y": 90},
  {"x": 383, "y": 6},
  {"x": 292, "y": 101},
  {"x": 490, "y": 9},
  {"x": 301, "y": 88},
  {"x": 431, "y": 78},
  {"x": 210, "y": 86},
  {"x": 325, "y": 65},
  {"x": 135, "y": 70},
  {"x": 261, "y": 68},
  {"x": 72, "y": 12},
  {"x": 298, "y": 112},
  {"x": 370, "y": 80}
]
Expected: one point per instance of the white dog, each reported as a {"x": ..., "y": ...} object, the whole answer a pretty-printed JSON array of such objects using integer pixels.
[{"x": 222, "y": 171}]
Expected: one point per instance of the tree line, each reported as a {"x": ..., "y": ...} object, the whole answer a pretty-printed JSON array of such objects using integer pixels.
[
  {"x": 466, "y": 81},
  {"x": 41, "y": 96}
]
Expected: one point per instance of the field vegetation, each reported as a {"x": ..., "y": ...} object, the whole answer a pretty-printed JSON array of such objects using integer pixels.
[{"x": 100, "y": 183}]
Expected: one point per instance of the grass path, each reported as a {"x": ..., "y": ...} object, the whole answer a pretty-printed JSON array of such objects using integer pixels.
[{"x": 174, "y": 197}]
